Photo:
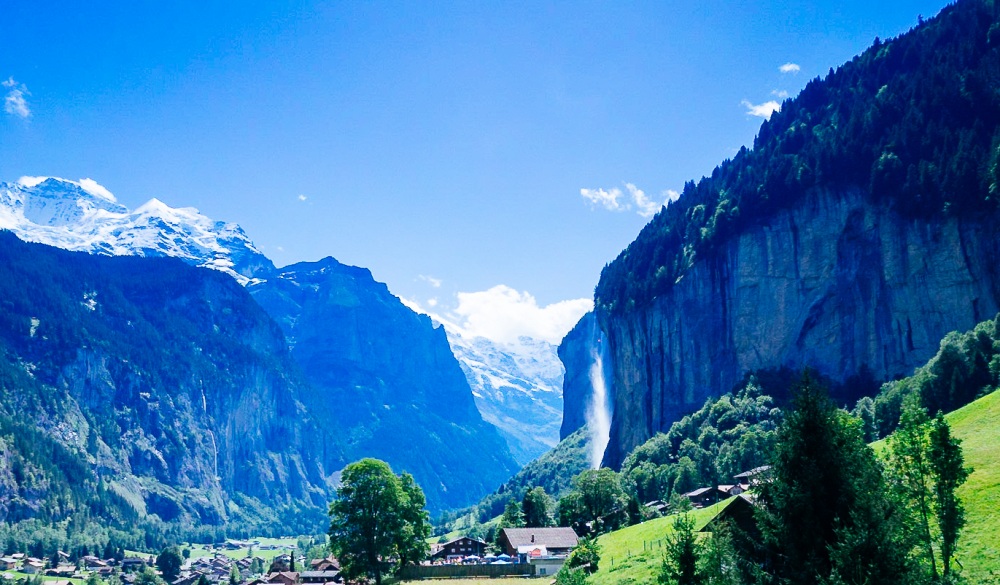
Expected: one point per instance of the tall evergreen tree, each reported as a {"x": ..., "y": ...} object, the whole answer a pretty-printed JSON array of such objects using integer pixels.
[
  {"x": 680, "y": 561},
  {"x": 823, "y": 513},
  {"x": 949, "y": 472}
]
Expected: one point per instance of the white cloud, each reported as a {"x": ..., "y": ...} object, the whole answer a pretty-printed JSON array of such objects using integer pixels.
[
  {"x": 615, "y": 200},
  {"x": 302, "y": 198},
  {"x": 645, "y": 206},
  {"x": 763, "y": 110},
  {"x": 432, "y": 302},
  {"x": 435, "y": 282},
  {"x": 790, "y": 68},
  {"x": 779, "y": 93},
  {"x": 15, "y": 103},
  {"x": 503, "y": 315},
  {"x": 606, "y": 199}
]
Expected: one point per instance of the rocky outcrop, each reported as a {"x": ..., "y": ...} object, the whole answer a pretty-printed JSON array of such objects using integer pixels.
[
  {"x": 386, "y": 379},
  {"x": 835, "y": 283}
]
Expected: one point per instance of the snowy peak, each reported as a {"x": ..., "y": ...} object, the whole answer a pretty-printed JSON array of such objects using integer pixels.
[
  {"x": 83, "y": 215},
  {"x": 517, "y": 387}
]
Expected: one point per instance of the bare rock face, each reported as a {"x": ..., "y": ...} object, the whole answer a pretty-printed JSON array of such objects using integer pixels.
[
  {"x": 385, "y": 379},
  {"x": 835, "y": 283},
  {"x": 575, "y": 352}
]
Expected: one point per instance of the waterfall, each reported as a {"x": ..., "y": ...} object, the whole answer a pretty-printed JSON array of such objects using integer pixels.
[{"x": 599, "y": 409}]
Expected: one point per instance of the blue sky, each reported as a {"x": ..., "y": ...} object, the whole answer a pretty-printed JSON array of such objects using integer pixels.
[{"x": 482, "y": 158}]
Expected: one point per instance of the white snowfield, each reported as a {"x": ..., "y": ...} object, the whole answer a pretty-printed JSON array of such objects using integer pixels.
[{"x": 84, "y": 216}]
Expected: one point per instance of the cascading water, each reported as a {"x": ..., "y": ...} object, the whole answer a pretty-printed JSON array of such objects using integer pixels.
[{"x": 599, "y": 410}]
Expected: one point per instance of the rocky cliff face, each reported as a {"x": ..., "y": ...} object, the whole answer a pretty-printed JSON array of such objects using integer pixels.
[
  {"x": 386, "y": 379},
  {"x": 835, "y": 283},
  {"x": 174, "y": 392},
  {"x": 576, "y": 353}
]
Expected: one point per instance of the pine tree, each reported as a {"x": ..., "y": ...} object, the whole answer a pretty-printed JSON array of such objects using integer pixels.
[{"x": 680, "y": 563}]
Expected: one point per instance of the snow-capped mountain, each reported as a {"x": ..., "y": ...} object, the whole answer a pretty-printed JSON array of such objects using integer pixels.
[
  {"x": 517, "y": 388},
  {"x": 84, "y": 216}
]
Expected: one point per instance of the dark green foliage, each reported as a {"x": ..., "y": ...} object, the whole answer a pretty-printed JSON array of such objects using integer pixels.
[
  {"x": 586, "y": 556},
  {"x": 537, "y": 507},
  {"x": 597, "y": 503},
  {"x": 720, "y": 563},
  {"x": 377, "y": 521},
  {"x": 949, "y": 472},
  {"x": 726, "y": 436},
  {"x": 966, "y": 366},
  {"x": 169, "y": 562},
  {"x": 909, "y": 463},
  {"x": 554, "y": 472},
  {"x": 912, "y": 123},
  {"x": 823, "y": 509},
  {"x": 680, "y": 561},
  {"x": 512, "y": 516}
]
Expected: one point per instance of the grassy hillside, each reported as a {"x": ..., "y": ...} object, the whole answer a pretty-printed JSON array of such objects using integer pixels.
[
  {"x": 634, "y": 554},
  {"x": 976, "y": 425}
]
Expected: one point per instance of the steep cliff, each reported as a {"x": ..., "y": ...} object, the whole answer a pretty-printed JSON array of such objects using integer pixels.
[
  {"x": 171, "y": 395},
  {"x": 576, "y": 352},
  {"x": 860, "y": 229},
  {"x": 386, "y": 379}
]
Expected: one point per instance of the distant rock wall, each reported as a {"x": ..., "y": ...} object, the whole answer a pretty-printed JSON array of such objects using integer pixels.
[
  {"x": 835, "y": 284},
  {"x": 386, "y": 379}
]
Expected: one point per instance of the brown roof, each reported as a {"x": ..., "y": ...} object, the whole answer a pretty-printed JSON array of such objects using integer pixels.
[{"x": 547, "y": 537}]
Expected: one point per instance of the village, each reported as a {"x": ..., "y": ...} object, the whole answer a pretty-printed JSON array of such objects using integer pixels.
[{"x": 518, "y": 552}]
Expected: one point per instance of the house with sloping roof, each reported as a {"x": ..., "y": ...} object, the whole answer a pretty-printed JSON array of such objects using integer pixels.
[
  {"x": 284, "y": 578},
  {"x": 331, "y": 576},
  {"x": 459, "y": 548},
  {"x": 748, "y": 479},
  {"x": 556, "y": 541},
  {"x": 328, "y": 564}
]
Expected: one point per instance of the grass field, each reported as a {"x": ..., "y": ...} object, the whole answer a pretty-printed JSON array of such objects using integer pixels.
[
  {"x": 282, "y": 545},
  {"x": 483, "y": 581},
  {"x": 634, "y": 554},
  {"x": 978, "y": 425}
]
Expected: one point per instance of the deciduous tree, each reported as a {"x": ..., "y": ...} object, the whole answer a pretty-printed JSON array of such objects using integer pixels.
[{"x": 377, "y": 520}]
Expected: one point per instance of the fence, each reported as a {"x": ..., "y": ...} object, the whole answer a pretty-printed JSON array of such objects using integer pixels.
[{"x": 413, "y": 572}]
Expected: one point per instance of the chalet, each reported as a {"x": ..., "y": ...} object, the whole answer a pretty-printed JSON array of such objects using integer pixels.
[
  {"x": 61, "y": 571},
  {"x": 331, "y": 576},
  {"x": 8, "y": 563},
  {"x": 748, "y": 479},
  {"x": 284, "y": 578},
  {"x": 702, "y": 497},
  {"x": 327, "y": 564},
  {"x": 738, "y": 513},
  {"x": 93, "y": 563},
  {"x": 462, "y": 547},
  {"x": 189, "y": 579},
  {"x": 32, "y": 566},
  {"x": 133, "y": 564},
  {"x": 555, "y": 541},
  {"x": 730, "y": 490}
]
